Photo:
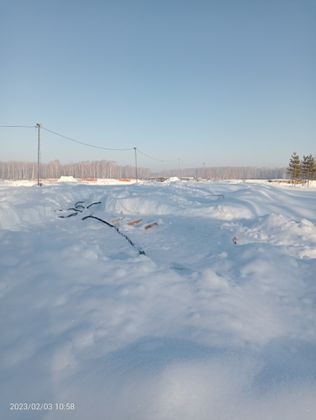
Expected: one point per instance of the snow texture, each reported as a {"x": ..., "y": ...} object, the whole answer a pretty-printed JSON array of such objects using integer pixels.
[{"x": 216, "y": 321}]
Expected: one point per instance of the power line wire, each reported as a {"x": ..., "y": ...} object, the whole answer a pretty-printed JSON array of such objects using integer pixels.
[
  {"x": 81, "y": 142},
  {"x": 156, "y": 159},
  {"x": 88, "y": 144},
  {"x": 149, "y": 156},
  {"x": 18, "y": 126}
]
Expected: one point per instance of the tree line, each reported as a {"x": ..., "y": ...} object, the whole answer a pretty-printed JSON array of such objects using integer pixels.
[
  {"x": 228, "y": 172},
  {"x": 302, "y": 169},
  {"x": 55, "y": 169},
  {"x": 109, "y": 169}
]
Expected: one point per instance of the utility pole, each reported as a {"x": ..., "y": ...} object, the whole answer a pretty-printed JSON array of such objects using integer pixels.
[
  {"x": 136, "y": 174},
  {"x": 38, "y": 152}
]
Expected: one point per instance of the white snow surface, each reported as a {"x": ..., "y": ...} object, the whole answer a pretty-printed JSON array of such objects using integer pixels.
[{"x": 216, "y": 321}]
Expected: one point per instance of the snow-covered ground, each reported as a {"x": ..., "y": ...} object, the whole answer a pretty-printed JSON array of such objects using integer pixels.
[{"x": 216, "y": 321}]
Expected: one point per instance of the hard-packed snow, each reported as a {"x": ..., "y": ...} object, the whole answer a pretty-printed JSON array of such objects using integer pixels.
[{"x": 216, "y": 321}]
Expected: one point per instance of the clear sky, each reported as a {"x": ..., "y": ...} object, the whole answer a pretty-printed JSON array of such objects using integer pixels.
[{"x": 223, "y": 82}]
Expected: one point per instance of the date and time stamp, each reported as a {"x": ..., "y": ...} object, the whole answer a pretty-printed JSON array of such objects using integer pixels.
[{"x": 42, "y": 406}]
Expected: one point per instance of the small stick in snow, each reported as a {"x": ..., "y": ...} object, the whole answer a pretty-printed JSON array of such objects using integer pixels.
[
  {"x": 151, "y": 225},
  {"x": 116, "y": 221},
  {"x": 134, "y": 222}
]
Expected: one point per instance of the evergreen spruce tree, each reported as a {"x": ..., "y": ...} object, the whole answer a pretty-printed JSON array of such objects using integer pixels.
[
  {"x": 313, "y": 168},
  {"x": 294, "y": 168},
  {"x": 308, "y": 167}
]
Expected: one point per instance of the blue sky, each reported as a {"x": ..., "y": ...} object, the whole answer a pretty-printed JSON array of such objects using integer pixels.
[{"x": 217, "y": 82}]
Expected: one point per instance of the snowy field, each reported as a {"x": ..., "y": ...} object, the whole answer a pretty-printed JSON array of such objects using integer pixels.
[{"x": 217, "y": 321}]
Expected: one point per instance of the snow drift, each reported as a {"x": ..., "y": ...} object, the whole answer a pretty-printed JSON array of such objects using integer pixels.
[{"x": 217, "y": 321}]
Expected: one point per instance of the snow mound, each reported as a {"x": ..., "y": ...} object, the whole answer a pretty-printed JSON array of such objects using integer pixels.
[
  {"x": 177, "y": 199},
  {"x": 172, "y": 179},
  {"x": 67, "y": 179},
  {"x": 137, "y": 205},
  {"x": 231, "y": 212},
  {"x": 299, "y": 237}
]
